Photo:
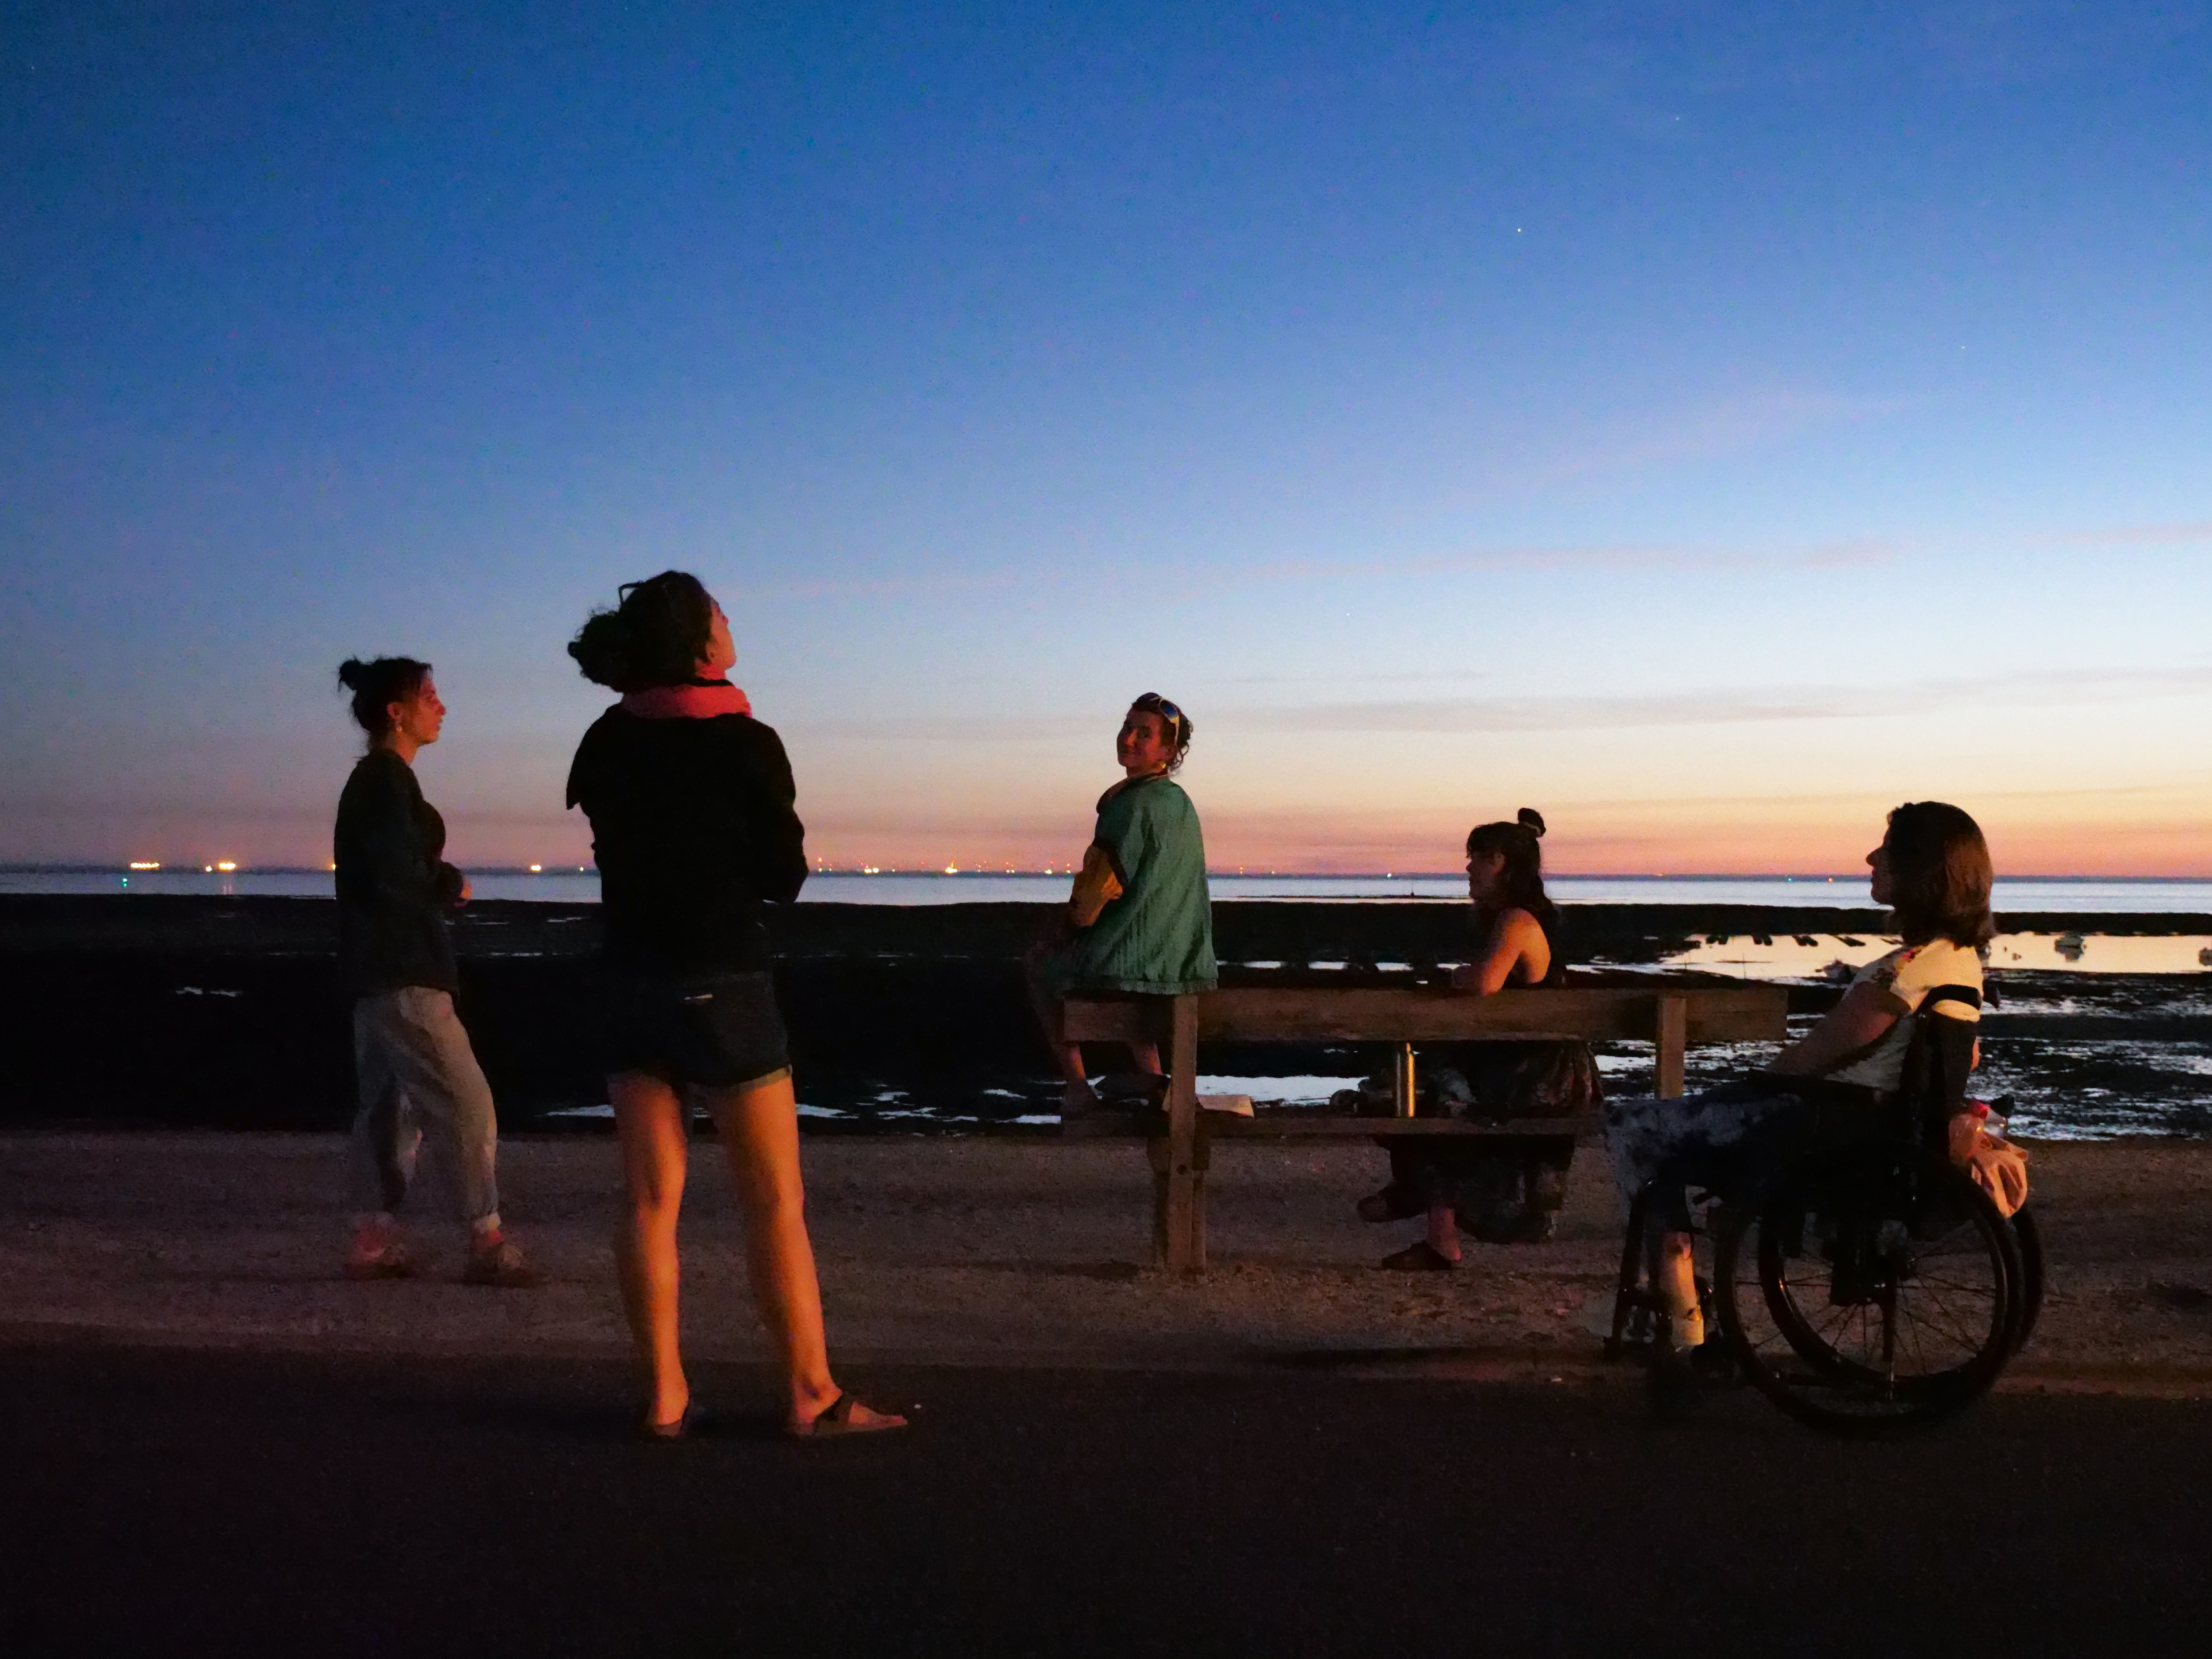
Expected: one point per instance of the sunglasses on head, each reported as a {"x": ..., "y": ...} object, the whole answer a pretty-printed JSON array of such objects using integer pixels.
[{"x": 1153, "y": 704}]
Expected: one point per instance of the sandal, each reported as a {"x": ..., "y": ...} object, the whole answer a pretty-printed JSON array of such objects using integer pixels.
[
  {"x": 676, "y": 1428},
  {"x": 836, "y": 1418},
  {"x": 1418, "y": 1257}
]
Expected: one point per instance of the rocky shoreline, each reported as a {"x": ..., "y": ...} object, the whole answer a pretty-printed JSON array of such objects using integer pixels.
[{"x": 150, "y": 1011}]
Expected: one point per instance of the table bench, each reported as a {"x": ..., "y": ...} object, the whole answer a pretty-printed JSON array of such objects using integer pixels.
[{"x": 1670, "y": 1016}]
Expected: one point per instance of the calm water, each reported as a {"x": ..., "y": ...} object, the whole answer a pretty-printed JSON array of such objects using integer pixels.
[{"x": 582, "y": 887}]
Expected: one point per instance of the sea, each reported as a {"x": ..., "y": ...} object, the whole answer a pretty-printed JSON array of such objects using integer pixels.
[{"x": 2086, "y": 894}]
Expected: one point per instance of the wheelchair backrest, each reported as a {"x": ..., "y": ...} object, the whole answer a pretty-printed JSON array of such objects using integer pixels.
[{"x": 1937, "y": 1062}]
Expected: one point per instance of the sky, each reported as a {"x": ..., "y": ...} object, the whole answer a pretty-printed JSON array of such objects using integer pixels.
[{"x": 1709, "y": 424}]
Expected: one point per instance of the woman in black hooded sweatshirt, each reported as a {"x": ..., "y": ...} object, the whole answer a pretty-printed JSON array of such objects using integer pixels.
[{"x": 691, "y": 806}]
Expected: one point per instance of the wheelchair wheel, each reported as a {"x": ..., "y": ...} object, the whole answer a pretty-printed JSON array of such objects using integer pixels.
[{"x": 1871, "y": 1293}]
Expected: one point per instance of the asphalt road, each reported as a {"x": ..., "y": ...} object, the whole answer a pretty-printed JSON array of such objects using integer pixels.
[{"x": 312, "y": 1506}]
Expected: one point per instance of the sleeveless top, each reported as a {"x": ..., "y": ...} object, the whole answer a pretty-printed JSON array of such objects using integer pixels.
[{"x": 1533, "y": 1077}]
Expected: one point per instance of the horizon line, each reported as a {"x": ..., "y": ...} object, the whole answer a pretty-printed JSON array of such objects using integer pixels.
[{"x": 149, "y": 868}]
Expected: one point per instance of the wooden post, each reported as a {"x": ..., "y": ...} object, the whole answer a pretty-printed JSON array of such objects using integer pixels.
[
  {"x": 1184, "y": 1210},
  {"x": 1672, "y": 1032}
]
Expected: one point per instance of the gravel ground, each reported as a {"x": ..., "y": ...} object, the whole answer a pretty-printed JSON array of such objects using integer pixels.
[{"x": 982, "y": 1252}]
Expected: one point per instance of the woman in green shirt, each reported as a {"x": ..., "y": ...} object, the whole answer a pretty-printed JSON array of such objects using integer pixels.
[{"x": 1139, "y": 921}]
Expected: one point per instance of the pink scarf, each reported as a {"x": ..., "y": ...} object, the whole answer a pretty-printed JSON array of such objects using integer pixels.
[{"x": 698, "y": 703}]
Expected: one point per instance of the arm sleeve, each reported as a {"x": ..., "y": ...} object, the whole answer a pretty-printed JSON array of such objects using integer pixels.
[
  {"x": 392, "y": 869},
  {"x": 1095, "y": 886},
  {"x": 1935, "y": 964},
  {"x": 1127, "y": 833},
  {"x": 776, "y": 848}
]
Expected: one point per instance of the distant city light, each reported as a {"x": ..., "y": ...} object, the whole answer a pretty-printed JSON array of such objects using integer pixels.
[
  {"x": 144, "y": 864},
  {"x": 226, "y": 865},
  {"x": 536, "y": 869},
  {"x": 951, "y": 869}
]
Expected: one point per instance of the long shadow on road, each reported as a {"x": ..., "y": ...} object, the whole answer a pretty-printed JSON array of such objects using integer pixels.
[{"x": 335, "y": 1506}]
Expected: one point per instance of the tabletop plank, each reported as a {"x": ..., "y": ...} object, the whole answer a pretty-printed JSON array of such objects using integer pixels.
[{"x": 1431, "y": 1014}]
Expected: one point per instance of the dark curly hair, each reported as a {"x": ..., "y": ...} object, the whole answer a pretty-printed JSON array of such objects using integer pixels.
[
  {"x": 654, "y": 636},
  {"x": 1178, "y": 723}
]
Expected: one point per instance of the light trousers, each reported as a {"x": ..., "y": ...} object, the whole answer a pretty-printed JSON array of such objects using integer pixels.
[{"x": 414, "y": 1067}]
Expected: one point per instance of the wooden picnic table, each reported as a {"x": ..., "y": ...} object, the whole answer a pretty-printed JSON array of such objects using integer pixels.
[{"x": 1670, "y": 1016}]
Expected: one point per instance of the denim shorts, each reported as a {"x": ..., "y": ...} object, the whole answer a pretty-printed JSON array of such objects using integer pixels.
[{"x": 719, "y": 1030}]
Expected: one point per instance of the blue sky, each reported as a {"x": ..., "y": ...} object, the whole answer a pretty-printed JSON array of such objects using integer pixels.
[{"x": 1709, "y": 427}]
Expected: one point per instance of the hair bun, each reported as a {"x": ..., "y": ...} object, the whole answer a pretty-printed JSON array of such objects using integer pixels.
[
  {"x": 353, "y": 673},
  {"x": 1530, "y": 819}
]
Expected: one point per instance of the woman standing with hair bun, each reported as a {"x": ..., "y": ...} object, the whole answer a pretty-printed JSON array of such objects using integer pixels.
[
  {"x": 691, "y": 802},
  {"x": 411, "y": 1056}
]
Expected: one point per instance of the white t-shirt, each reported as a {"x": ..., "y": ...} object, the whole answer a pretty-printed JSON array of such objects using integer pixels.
[{"x": 1909, "y": 973}]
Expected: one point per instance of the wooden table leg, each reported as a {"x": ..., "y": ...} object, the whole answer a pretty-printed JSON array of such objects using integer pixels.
[
  {"x": 1184, "y": 1204},
  {"x": 1159, "y": 1155},
  {"x": 1672, "y": 1032}
]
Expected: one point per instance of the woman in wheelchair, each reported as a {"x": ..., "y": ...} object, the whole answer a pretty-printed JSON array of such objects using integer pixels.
[{"x": 1933, "y": 870}]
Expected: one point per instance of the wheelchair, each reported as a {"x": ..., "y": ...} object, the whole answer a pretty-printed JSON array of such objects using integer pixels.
[{"x": 1856, "y": 1277}]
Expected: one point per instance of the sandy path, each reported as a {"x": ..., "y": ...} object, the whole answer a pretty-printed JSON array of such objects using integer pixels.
[{"x": 979, "y": 1251}]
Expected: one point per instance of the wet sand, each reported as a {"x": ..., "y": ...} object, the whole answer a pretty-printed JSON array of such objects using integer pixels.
[{"x": 983, "y": 1251}]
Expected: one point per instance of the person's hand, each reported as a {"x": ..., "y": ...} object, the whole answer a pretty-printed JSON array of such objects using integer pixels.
[
  {"x": 1997, "y": 1167},
  {"x": 462, "y": 897},
  {"x": 1464, "y": 978}
]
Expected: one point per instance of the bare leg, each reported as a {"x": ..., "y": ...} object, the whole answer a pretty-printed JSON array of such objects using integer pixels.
[
  {"x": 1444, "y": 1231},
  {"x": 760, "y": 1132},
  {"x": 1675, "y": 1278},
  {"x": 652, "y": 1123}
]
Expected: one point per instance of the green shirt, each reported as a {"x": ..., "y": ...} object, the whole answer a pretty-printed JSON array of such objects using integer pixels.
[{"x": 1157, "y": 937}]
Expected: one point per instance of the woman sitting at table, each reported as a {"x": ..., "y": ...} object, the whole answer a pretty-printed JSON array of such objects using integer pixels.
[
  {"x": 1140, "y": 921},
  {"x": 1507, "y": 1189},
  {"x": 1933, "y": 870}
]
